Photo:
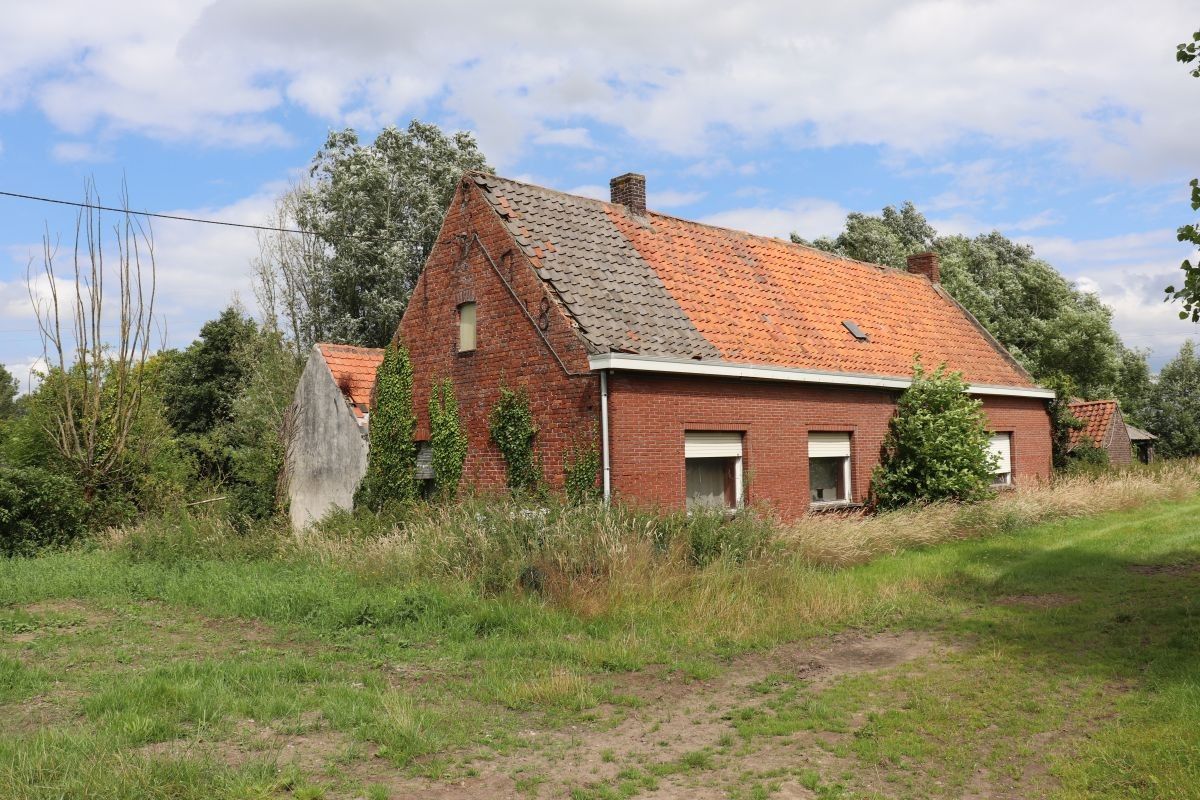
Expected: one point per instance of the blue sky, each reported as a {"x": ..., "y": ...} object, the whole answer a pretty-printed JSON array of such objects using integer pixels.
[{"x": 1066, "y": 125}]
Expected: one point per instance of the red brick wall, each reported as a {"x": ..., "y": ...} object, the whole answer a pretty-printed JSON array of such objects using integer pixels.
[
  {"x": 649, "y": 415},
  {"x": 509, "y": 349}
]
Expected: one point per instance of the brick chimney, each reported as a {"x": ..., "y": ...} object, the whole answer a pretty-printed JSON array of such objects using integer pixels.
[
  {"x": 629, "y": 190},
  {"x": 925, "y": 264}
]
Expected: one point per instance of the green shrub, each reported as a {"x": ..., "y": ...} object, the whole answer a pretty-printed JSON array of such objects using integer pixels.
[
  {"x": 37, "y": 509},
  {"x": 936, "y": 447},
  {"x": 513, "y": 431},
  {"x": 392, "y": 459},
  {"x": 1087, "y": 458},
  {"x": 446, "y": 438},
  {"x": 581, "y": 469}
]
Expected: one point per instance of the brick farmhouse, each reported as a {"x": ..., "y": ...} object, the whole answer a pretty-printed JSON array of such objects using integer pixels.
[{"x": 709, "y": 366}]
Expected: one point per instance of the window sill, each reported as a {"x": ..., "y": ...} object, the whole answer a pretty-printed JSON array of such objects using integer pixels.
[{"x": 464, "y": 353}]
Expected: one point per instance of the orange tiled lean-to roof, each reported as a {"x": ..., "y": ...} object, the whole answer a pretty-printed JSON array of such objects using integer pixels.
[
  {"x": 660, "y": 286},
  {"x": 1097, "y": 417},
  {"x": 353, "y": 370}
]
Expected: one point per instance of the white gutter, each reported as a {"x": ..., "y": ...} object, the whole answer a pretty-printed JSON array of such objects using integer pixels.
[
  {"x": 604, "y": 435},
  {"x": 723, "y": 369}
]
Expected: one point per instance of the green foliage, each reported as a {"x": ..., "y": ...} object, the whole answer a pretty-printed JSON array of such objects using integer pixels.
[
  {"x": 1189, "y": 291},
  {"x": 936, "y": 447},
  {"x": 378, "y": 209},
  {"x": 1062, "y": 420},
  {"x": 512, "y": 429},
  {"x": 37, "y": 509},
  {"x": 254, "y": 440},
  {"x": 581, "y": 468},
  {"x": 1087, "y": 457},
  {"x": 1173, "y": 411},
  {"x": 201, "y": 383},
  {"x": 9, "y": 386},
  {"x": 1049, "y": 325},
  {"x": 1134, "y": 384},
  {"x": 447, "y": 439},
  {"x": 152, "y": 472},
  {"x": 392, "y": 458}
]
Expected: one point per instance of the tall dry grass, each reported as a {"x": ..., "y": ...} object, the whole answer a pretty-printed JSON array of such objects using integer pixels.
[{"x": 747, "y": 577}]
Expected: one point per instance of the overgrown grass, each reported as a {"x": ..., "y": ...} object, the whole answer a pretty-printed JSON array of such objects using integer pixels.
[{"x": 454, "y": 627}]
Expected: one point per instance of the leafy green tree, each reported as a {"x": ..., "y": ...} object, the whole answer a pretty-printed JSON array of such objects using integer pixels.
[
  {"x": 1173, "y": 410},
  {"x": 1134, "y": 384},
  {"x": 936, "y": 447},
  {"x": 887, "y": 239},
  {"x": 1062, "y": 420},
  {"x": 9, "y": 387},
  {"x": 377, "y": 208},
  {"x": 392, "y": 457},
  {"x": 200, "y": 383},
  {"x": 1045, "y": 322},
  {"x": 1189, "y": 291}
]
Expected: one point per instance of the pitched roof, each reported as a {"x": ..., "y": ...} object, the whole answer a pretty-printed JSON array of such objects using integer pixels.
[
  {"x": 1137, "y": 434},
  {"x": 666, "y": 287},
  {"x": 1097, "y": 417},
  {"x": 353, "y": 369}
]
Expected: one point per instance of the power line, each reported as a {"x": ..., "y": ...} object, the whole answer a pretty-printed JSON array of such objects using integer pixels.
[{"x": 158, "y": 215}]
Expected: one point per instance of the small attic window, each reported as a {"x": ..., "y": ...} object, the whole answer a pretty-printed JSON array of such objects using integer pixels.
[
  {"x": 466, "y": 327},
  {"x": 856, "y": 331}
]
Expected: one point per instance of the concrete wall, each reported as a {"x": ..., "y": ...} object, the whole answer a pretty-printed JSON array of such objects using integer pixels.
[{"x": 327, "y": 455}]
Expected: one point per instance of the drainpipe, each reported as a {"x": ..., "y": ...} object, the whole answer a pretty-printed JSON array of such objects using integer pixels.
[{"x": 604, "y": 435}]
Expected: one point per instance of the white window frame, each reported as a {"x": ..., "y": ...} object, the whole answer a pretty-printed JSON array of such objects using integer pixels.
[
  {"x": 832, "y": 444},
  {"x": 1001, "y": 477},
  {"x": 718, "y": 444},
  {"x": 463, "y": 327}
]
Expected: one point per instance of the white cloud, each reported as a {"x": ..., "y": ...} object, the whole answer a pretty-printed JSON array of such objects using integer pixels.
[
  {"x": 1129, "y": 273},
  {"x": 672, "y": 198},
  {"x": 565, "y": 137},
  {"x": 200, "y": 270},
  {"x": 809, "y": 217},
  {"x": 685, "y": 78},
  {"x": 78, "y": 151},
  {"x": 592, "y": 190}
]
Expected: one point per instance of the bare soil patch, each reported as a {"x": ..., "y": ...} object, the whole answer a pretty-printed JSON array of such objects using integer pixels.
[
  {"x": 1042, "y": 601},
  {"x": 1173, "y": 570}
]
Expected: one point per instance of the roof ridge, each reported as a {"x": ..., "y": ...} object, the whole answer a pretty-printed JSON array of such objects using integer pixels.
[{"x": 685, "y": 220}]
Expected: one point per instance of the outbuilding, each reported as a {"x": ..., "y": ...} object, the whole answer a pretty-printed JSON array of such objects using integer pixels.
[
  {"x": 327, "y": 446},
  {"x": 709, "y": 366},
  {"x": 1104, "y": 427}
]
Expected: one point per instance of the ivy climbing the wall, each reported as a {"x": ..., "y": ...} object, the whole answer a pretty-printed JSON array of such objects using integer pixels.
[
  {"x": 513, "y": 431},
  {"x": 392, "y": 457},
  {"x": 581, "y": 469},
  {"x": 446, "y": 438}
]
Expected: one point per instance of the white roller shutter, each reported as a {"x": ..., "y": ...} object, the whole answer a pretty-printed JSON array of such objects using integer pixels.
[
  {"x": 712, "y": 444},
  {"x": 828, "y": 445},
  {"x": 1000, "y": 446}
]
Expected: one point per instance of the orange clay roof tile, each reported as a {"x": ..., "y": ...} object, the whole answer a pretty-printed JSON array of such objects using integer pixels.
[
  {"x": 662, "y": 286},
  {"x": 353, "y": 369},
  {"x": 1097, "y": 417}
]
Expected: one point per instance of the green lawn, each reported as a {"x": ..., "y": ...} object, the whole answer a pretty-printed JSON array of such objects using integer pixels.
[{"x": 1062, "y": 660}]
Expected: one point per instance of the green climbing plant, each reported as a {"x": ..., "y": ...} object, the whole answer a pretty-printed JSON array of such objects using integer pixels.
[
  {"x": 581, "y": 468},
  {"x": 447, "y": 438},
  {"x": 512, "y": 429},
  {"x": 392, "y": 457}
]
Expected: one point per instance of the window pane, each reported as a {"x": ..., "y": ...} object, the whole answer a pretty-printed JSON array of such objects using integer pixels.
[
  {"x": 826, "y": 479},
  {"x": 706, "y": 482},
  {"x": 466, "y": 327}
]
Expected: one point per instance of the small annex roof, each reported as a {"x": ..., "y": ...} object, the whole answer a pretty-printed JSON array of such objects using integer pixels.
[
  {"x": 353, "y": 370},
  {"x": 1097, "y": 417},
  {"x": 661, "y": 287},
  {"x": 1137, "y": 434}
]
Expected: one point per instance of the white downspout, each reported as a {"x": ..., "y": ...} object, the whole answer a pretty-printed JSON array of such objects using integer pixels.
[{"x": 607, "y": 460}]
